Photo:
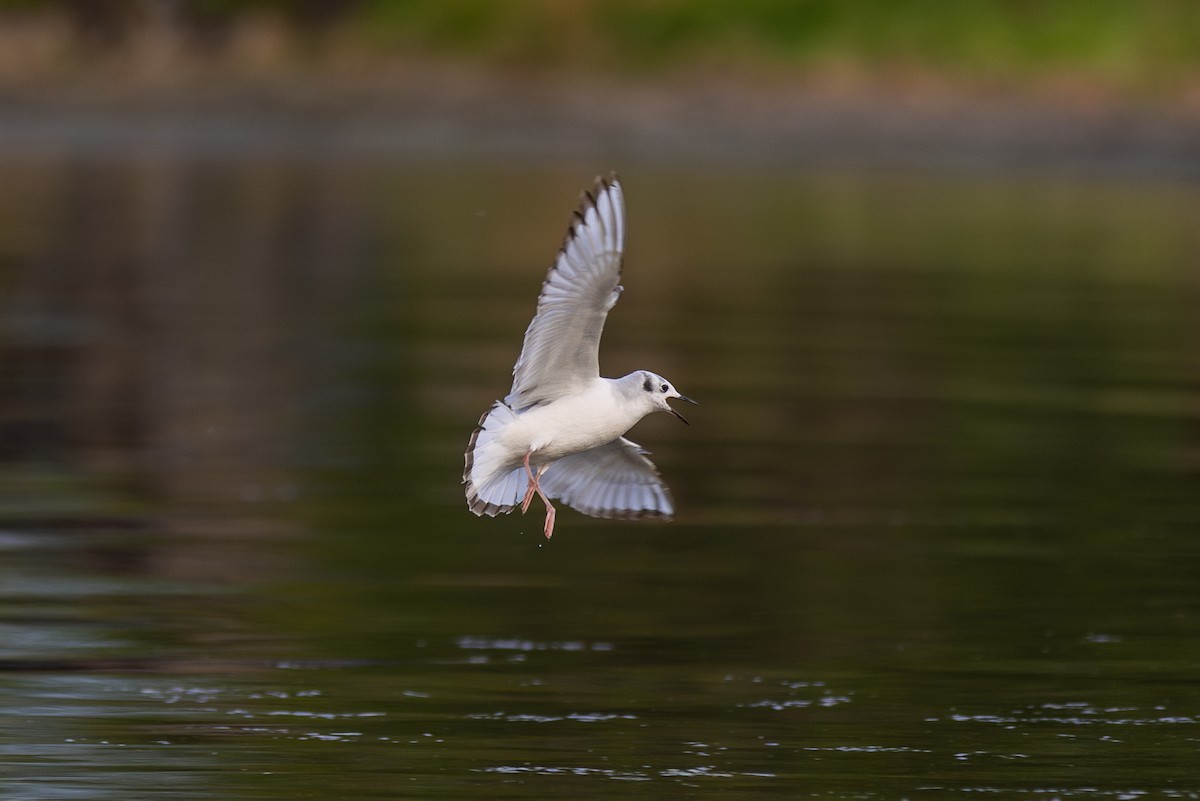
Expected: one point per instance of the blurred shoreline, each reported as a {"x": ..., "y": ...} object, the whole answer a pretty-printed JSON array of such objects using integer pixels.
[
  {"x": 526, "y": 120},
  {"x": 254, "y": 96}
]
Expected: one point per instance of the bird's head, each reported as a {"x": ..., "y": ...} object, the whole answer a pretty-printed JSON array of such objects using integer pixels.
[{"x": 658, "y": 391}]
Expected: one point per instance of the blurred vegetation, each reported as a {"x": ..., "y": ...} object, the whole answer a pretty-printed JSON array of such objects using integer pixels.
[{"x": 1126, "y": 43}]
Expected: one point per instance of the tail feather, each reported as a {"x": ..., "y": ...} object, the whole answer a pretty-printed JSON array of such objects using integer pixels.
[{"x": 493, "y": 486}]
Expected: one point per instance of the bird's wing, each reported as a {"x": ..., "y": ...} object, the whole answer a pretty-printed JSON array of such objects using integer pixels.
[
  {"x": 561, "y": 350},
  {"x": 615, "y": 480}
]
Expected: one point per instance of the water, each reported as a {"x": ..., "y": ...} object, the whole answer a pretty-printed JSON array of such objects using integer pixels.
[{"x": 937, "y": 513}]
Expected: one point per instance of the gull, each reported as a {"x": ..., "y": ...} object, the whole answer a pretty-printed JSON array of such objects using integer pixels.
[{"x": 558, "y": 432}]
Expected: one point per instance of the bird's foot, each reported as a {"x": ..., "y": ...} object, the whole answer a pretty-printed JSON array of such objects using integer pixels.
[
  {"x": 533, "y": 484},
  {"x": 535, "y": 487}
]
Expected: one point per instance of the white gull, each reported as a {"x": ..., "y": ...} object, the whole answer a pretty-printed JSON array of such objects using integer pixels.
[{"x": 558, "y": 432}]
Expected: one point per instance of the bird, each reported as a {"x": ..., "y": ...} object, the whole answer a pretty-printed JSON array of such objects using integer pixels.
[{"x": 559, "y": 431}]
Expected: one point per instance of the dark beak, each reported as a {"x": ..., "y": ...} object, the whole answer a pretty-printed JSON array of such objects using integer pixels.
[{"x": 680, "y": 416}]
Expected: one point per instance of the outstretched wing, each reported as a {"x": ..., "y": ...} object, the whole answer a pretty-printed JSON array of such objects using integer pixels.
[
  {"x": 614, "y": 480},
  {"x": 562, "y": 343}
]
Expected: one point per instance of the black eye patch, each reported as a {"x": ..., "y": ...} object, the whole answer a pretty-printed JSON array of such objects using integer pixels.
[{"x": 648, "y": 385}]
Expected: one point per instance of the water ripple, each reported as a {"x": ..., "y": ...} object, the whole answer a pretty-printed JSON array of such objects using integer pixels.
[
  {"x": 698, "y": 772},
  {"x": 582, "y": 717},
  {"x": 1085, "y": 714},
  {"x": 518, "y": 644}
]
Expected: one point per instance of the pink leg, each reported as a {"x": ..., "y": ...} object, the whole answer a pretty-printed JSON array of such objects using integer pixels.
[{"x": 535, "y": 486}]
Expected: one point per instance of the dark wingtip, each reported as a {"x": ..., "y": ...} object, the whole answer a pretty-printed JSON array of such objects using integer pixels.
[
  {"x": 600, "y": 185},
  {"x": 587, "y": 200}
]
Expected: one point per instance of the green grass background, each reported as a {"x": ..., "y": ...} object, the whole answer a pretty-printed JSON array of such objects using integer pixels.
[{"x": 1139, "y": 45}]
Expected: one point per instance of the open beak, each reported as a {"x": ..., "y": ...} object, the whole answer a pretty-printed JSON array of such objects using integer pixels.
[{"x": 686, "y": 399}]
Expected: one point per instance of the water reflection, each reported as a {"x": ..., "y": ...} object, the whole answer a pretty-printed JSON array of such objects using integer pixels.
[{"x": 937, "y": 514}]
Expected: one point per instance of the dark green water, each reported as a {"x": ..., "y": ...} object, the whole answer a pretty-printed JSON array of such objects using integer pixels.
[{"x": 939, "y": 513}]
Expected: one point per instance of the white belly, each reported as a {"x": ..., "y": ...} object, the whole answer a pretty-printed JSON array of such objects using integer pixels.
[{"x": 569, "y": 425}]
